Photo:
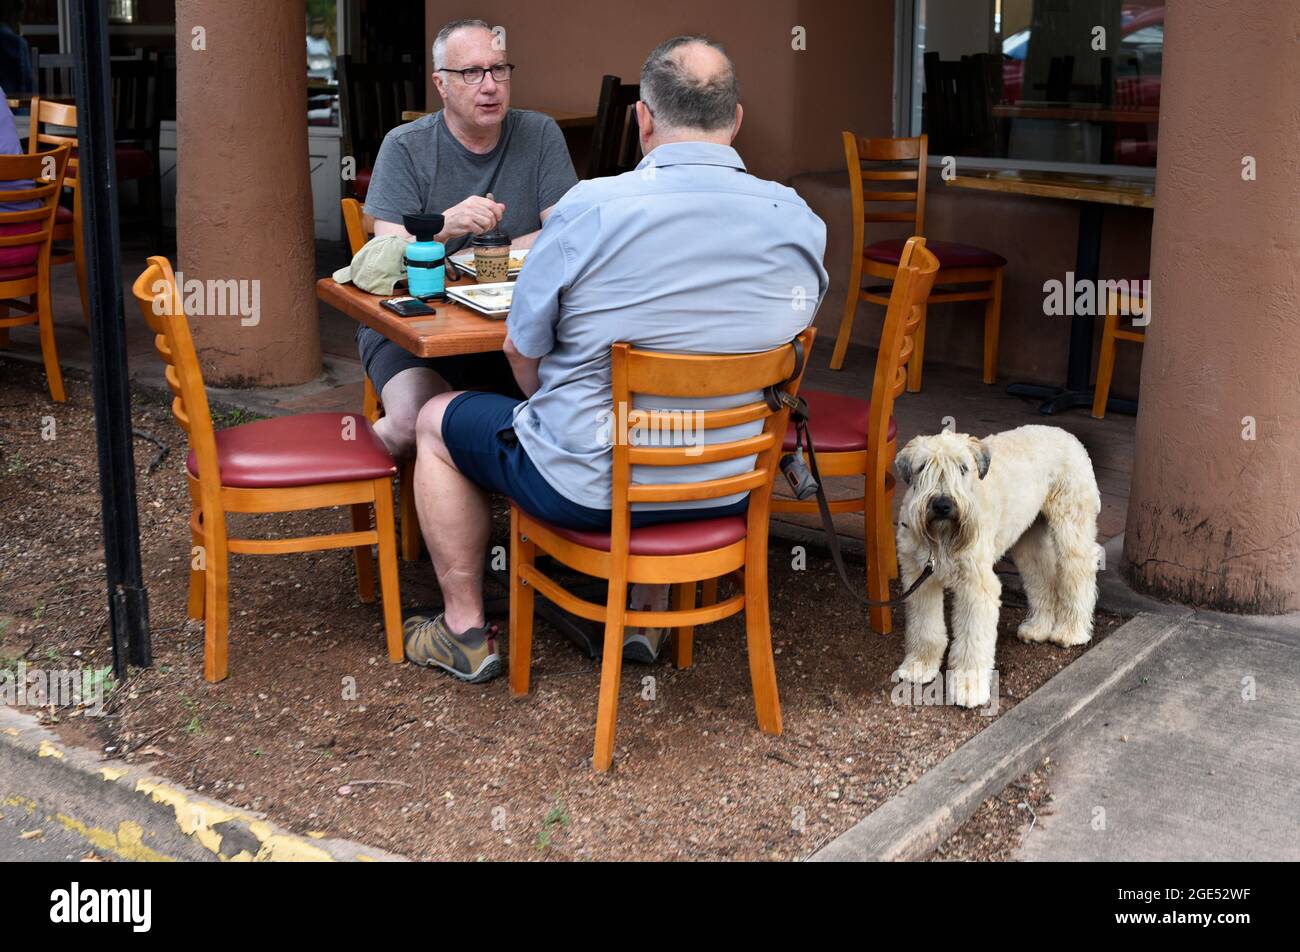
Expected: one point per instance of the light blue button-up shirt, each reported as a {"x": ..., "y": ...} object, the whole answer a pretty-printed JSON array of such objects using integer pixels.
[{"x": 688, "y": 253}]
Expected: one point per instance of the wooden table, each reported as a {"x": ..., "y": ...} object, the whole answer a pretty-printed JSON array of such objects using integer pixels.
[
  {"x": 564, "y": 118},
  {"x": 453, "y": 329},
  {"x": 1094, "y": 193}
]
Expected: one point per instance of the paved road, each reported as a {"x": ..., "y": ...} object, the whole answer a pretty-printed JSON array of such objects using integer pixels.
[
  {"x": 1196, "y": 762},
  {"x": 55, "y": 844}
]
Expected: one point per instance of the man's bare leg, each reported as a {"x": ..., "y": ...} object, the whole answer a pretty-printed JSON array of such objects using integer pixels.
[
  {"x": 404, "y": 396},
  {"x": 455, "y": 517}
]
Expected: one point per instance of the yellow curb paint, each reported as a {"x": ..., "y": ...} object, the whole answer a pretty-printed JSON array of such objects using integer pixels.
[
  {"x": 315, "y": 836},
  {"x": 49, "y": 750},
  {"x": 112, "y": 773},
  {"x": 127, "y": 843},
  {"x": 195, "y": 819},
  {"x": 10, "y": 731},
  {"x": 285, "y": 847}
]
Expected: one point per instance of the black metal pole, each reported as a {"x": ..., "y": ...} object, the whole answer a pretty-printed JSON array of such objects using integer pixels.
[{"x": 128, "y": 600}]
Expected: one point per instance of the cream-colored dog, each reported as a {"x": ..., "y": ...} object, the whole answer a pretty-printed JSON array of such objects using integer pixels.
[{"x": 1028, "y": 492}]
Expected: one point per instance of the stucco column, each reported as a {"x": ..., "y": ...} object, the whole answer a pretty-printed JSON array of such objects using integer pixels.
[
  {"x": 1214, "y": 513},
  {"x": 243, "y": 196}
]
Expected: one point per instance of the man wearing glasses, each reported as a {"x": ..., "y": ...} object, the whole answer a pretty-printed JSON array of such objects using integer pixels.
[{"x": 483, "y": 166}]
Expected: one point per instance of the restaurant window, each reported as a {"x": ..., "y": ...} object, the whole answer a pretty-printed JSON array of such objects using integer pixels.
[
  {"x": 322, "y": 54},
  {"x": 1035, "y": 84}
]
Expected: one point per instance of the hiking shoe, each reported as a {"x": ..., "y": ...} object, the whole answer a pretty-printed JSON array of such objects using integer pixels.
[
  {"x": 470, "y": 656},
  {"x": 642, "y": 645}
]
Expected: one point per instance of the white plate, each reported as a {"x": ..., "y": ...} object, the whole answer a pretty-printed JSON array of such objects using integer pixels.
[
  {"x": 465, "y": 262},
  {"x": 490, "y": 299}
]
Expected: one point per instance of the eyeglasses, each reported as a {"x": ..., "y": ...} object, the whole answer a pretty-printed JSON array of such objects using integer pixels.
[{"x": 473, "y": 75}]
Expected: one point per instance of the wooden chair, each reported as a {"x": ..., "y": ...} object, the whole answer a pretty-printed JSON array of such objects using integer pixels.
[
  {"x": 1116, "y": 302},
  {"x": 137, "y": 130},
  {"x": 25, "y": 241},
  {"x": 614, "y": 141},
  {"x": 858, "y": 438},
  {"x": 68, "y": 224},
  {"x": 680, "y": 554},
  {"x": 372, "y": 98},
  {"x": 373, "y": 407},
  {"x": 286, "y": 464},
  {"x": 958, "y": 263}
]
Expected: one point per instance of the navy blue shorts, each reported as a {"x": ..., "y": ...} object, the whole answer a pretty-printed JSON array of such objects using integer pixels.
[{"x": 477, "y": 430}]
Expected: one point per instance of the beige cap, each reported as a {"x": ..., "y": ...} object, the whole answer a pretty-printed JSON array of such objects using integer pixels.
[{"x": 378, "y": 266}]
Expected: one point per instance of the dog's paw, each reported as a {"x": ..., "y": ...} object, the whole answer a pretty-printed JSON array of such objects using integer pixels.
[
  {"x": 1071, "y": 639},
  {"x": 916, "y": 671},
  {"x": 969, "y": 688},
  {"x": 1034, "y": 630}
]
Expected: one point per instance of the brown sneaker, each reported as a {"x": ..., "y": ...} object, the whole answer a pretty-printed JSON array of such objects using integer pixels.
[{"x": 470, "y": 655}]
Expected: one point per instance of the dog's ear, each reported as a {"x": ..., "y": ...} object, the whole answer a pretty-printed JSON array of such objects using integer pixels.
[
  {"x": 983, "y": 456},
  {"x": 903, "y": 464}
]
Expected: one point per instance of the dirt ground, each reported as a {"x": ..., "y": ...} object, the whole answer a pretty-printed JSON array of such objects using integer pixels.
[
  {"x": 318, "y": 731},
  {"x": 996, "y": 830}
]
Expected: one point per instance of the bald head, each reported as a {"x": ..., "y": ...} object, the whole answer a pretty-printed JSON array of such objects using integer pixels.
[{"x": 689, "y": 85}]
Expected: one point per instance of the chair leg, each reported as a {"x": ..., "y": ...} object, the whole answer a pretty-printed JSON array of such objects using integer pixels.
[
  {"x": 411, "y": 539},
  {"x": 216, "y": 662},
  {"x": 684, "y": 637},
  {"x": 845, "y": 333},
  {"x": 880, "y": 554},
  {"x": 889, "y": 548},
  {"x": 198, "y": 557},
  {"x": 758, "y": 638},
  {"x": 370, "y": 401},
  {"x": 1105, "y": 364},
  {"x": 918, "y": 355},
  {"x": 992, "y": 325},
  {"x": 4, "y": 331},
  {"x": 365, "y": 565},
  {"x": 611, "y": 670},
  {"x": 49, "y": 350},
  {"x": 522, "y": 596},
  {"x": 389, "y": 586},
  {"x": 709, "y": 591}
]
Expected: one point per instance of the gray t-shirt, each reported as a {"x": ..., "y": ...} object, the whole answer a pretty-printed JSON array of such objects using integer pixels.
[{"x": 423, "y": 168}]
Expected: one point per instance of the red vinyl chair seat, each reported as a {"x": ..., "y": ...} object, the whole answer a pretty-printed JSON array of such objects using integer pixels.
[
  {"x": 838, "y": 424},
  {"x": 669, "y": 538},
  {"x": 950, "y": 254},
  {"x": 302, "y": 450}
]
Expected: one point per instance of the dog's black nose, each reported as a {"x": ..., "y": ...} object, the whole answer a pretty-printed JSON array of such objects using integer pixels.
[{"x": 942, "y": 507}]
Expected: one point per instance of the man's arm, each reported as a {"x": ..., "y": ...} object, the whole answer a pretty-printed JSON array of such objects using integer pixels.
[
  {"x": 526, "y": 241},
  {"x": 524, "y": 369}
]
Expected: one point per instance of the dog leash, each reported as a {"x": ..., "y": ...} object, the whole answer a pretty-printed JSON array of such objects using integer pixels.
[{"x": 804, "y": 484}]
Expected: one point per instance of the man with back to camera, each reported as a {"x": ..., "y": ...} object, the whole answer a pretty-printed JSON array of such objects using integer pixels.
[
  {"x": 447, "y": 163},
  {"x": 688, "y": 253}
]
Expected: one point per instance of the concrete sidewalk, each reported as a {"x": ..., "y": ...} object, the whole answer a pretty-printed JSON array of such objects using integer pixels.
[{"x": 1197, "y": 758}]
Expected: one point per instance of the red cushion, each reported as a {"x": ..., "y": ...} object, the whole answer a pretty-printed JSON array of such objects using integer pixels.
[
  {"x": 17, "y": 274},
  {"x": 63, "y": 216},
  {"x": 19, "y": 256},
  {"x": 301, "y": 450},
  {"x": 838, "y": 424},
  {"x": 950, "y": 254},
  {"x": 133, "y": 162},
  {"x": 361, "y": 185},
  {"x": 669, "y": 538}
]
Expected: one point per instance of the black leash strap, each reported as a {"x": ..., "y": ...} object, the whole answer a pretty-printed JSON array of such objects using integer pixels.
[
  {"x": 803, "y": 438},
  {"x": 803, "y": 486}
]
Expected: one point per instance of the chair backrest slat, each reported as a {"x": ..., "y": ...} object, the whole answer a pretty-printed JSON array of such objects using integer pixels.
[
  {"x": 46, "y": 113},
  {"x": 917, "y": 268},
  {"x": 161, "y": 306},
  {"x": 661, "y": 378},
  {"x": 45, "y": 170},
  {"x": 354, "y": 223},
  {"x": 865, "y": 158}
]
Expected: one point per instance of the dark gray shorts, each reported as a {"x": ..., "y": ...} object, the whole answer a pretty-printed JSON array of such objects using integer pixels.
[{"x": 384, "y": 360}]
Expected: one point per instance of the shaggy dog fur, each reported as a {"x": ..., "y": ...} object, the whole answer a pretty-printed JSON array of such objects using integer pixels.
[{"x": 1029, "y": 493}]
